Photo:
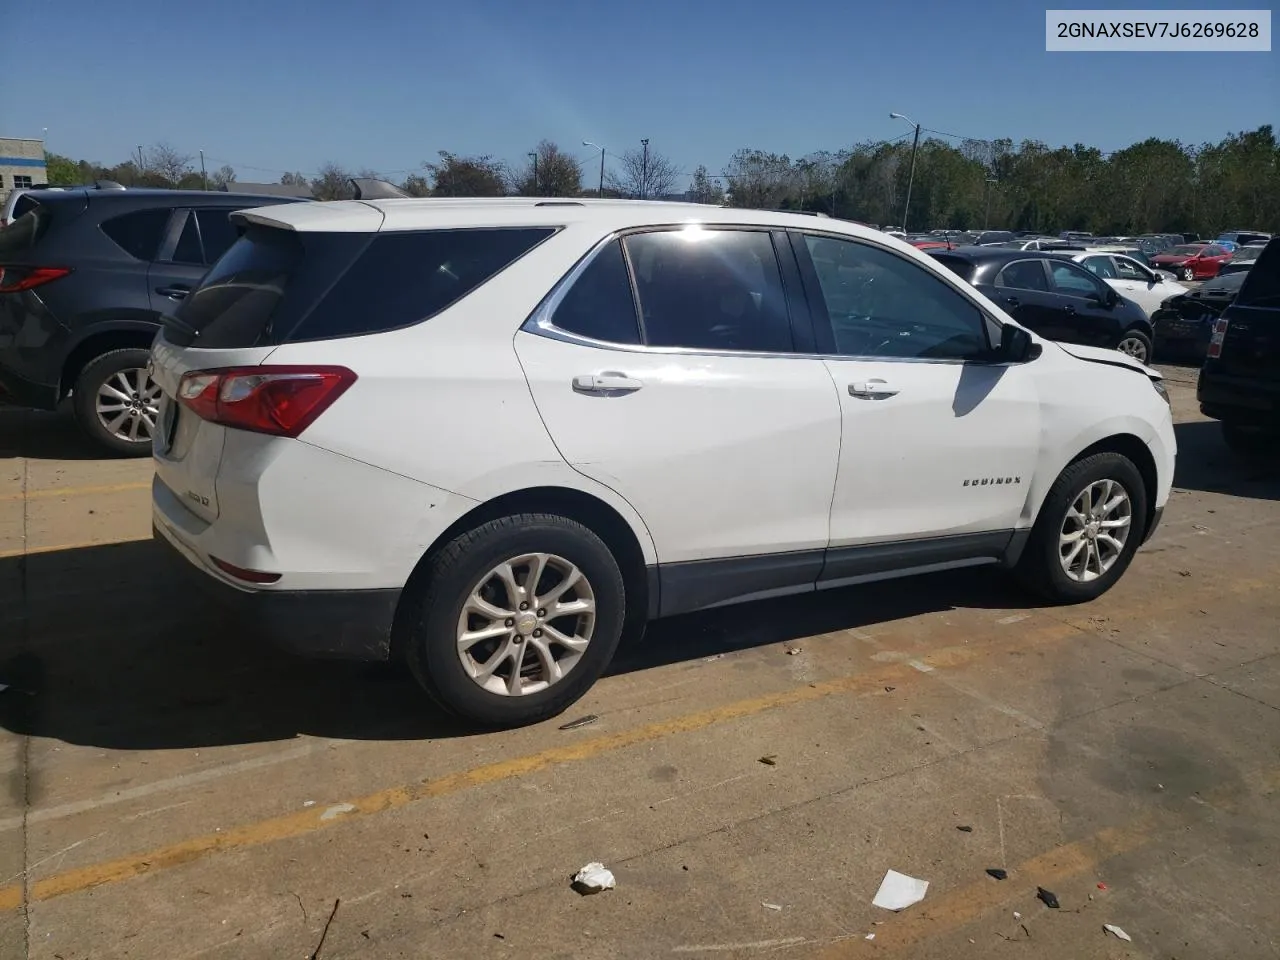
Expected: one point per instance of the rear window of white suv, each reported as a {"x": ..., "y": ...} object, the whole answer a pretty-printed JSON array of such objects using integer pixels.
[{"x": 277, "y": 286}]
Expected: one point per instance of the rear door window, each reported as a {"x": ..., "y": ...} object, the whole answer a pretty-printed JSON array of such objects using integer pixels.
[
  {"x": 188, "y": 248},
  {"x": 710, "y": 290},
  {"x": 217, "y": 233},
  {"x": 1024, "y": 275},
  {"x": 1100, "y": 267},
  {"x": 600, "y": 305},
  {"x": 138, "y": 233}
]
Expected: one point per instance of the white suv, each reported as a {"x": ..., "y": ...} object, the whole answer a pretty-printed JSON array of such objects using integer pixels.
[{"x": 491, "y": 436}]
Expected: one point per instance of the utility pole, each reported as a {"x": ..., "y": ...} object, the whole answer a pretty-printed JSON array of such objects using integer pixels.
[
  {"x": 141, "y": 166},
  {"x": 915, "y": 145},
  {"x": 644, "y": 170},
  {"x": 534, "y": 158},
  {"x": 987, "y": 219},
  {"x": 600, "y": 189},
  {"x": 203, "y": 176}
]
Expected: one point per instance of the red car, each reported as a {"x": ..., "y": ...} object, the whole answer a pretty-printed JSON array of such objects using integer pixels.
[{"x": 1192, "y": 261}]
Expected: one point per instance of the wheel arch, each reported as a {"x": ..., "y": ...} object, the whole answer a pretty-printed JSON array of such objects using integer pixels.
[
  {"x": 118, "y": 335},
  {"x": 1128, "y": 445},
  {"x": 603, "y": 519}
]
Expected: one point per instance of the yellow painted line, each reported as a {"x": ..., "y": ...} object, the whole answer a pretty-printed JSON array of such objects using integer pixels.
[
  {"x": 964, "y": 905},
  {"x": 308, "y": 821},
  {"x": 51, "y": 492},
  {"x": 55, "y": 548}
]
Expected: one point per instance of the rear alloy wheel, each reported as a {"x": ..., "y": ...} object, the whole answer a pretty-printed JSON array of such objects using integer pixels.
[
  {"x": 116, "y": 402},
  {"x": 516, "y": 619},
  {"x": 1188, "y": 273},
  {"x": 1091, "y": 523},
  {"x": 1135, "y": 344}
]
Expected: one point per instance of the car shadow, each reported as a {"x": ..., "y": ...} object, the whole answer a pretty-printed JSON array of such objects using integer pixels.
[
  {"x": 44, "y": 435},
  {"x": 1206, "y": 463},
  {"x": 105, "y": 646}
]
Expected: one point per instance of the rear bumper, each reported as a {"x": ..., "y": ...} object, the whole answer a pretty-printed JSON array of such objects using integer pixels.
[
  {"x": 21, "y": 392},
  {"x": 339, "y": 624},
  {"x": 1249, "y": 401}
]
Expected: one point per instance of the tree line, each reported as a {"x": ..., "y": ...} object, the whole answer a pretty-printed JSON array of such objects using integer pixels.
[{"x": 1153, "y": 186}]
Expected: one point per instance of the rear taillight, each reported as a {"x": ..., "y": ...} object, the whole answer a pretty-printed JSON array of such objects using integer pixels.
[
  {"x": 281, "y": 401},
  {"x": 1219, "y": 334},
  {"x": 17, "y": 279},
  {"x": 241, "y": 573}
]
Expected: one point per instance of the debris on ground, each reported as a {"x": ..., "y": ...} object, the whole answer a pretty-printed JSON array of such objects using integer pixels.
[
  {"x": 792, "y": 651},
  {"x": 997, "y": 874},
  {"x": 1017, "y": 915},
  {"x": 898, "y": 891},
  {"x": 965, "y": 828},
  {"x": 869, "y": 936},
  {"x": 890, "y": 689},
  {"x": 337, "y": 810},
  {"x": 770, "y": 760},
  {"x": 771, "y": 906},
  {"x": 1184, "y": 573},
  {"x": 1049, "y": 897},
  {"x": 1117, "y": 932},
  {"x": 580, "y": 722},
  {"x": 315, "y": 954},
  {"x": 1102, "y": 886},
  {"x": 593, "y": 878}
]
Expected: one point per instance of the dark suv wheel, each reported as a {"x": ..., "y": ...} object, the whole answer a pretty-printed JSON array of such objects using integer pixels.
[{"x": 116, "y": 401}]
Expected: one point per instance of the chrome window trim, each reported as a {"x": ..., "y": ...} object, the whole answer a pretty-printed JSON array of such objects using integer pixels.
[{"x": 539, "y": 322}]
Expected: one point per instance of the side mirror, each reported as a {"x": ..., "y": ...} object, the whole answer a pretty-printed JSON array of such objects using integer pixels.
[{"x": 1016, "y": 345}]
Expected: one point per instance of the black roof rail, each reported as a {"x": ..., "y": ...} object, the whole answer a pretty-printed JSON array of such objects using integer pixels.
[
  {"x": 368, "y": 188},
  {"x": 559, "y": 203}
]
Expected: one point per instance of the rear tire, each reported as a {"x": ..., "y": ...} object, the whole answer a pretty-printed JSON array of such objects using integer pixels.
[
  {"x": 115, "y": 402},
  {"x": 464, "y": 593},
  {"x": 1252, "y": 443},
  {"x": 1044, "y": 567},
  {"x": 1136, "y": 344}
]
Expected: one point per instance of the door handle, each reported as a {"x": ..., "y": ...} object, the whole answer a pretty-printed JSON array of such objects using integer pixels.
[
  {"x": 1069, "y": 310},
  {"x": 606, "y": 384},
  {"x": 177, "y": 291},
  {"x": 1012, "y": 301},
  {"x": 872, "y": 390}
]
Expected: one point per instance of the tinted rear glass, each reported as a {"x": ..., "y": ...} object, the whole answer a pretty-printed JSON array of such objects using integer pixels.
[
  {"x": 404, "y": 278},
  {"x": 276, "y": 286},
  {"x": 138, "y": 233},
  {"x": 957, "y": 265}
]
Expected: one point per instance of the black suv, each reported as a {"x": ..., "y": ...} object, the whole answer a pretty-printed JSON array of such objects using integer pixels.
[
  {"x": 1057, "y": 298},
  {"x": 1240, "y": 380},
  {"x": 85, "y": 279}
]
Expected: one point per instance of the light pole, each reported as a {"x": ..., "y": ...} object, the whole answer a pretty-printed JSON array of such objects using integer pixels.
[
  {"x": 204, "y": 177},
  {"x": 588, "y": 143},
  {"x": 644, "y": 169},
  {"x": 915, "y": 144},
  {"x": 534, "y": 158},
  {"x": 987, "y": 218}
]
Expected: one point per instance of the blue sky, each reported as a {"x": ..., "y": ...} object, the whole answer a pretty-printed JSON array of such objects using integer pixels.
[{"x": 287, "y": 85}]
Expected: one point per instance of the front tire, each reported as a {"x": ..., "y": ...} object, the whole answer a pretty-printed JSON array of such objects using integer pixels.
[
  {"x": 1188, "y": 274},
  {"x": 516, "y": 619},
  {"x": 1136, "y": 344},
  {"x": 1091, "y": 523},
  {"x": 116, "y": 402}
]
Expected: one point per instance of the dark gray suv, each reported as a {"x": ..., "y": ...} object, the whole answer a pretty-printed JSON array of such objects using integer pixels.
[{"x": 86, "y": 277}]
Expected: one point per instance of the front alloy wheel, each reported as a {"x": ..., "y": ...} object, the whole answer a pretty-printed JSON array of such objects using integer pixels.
[
  {"x": 1095, "y": 530},
  {"x": 1188, "y": 273}
]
